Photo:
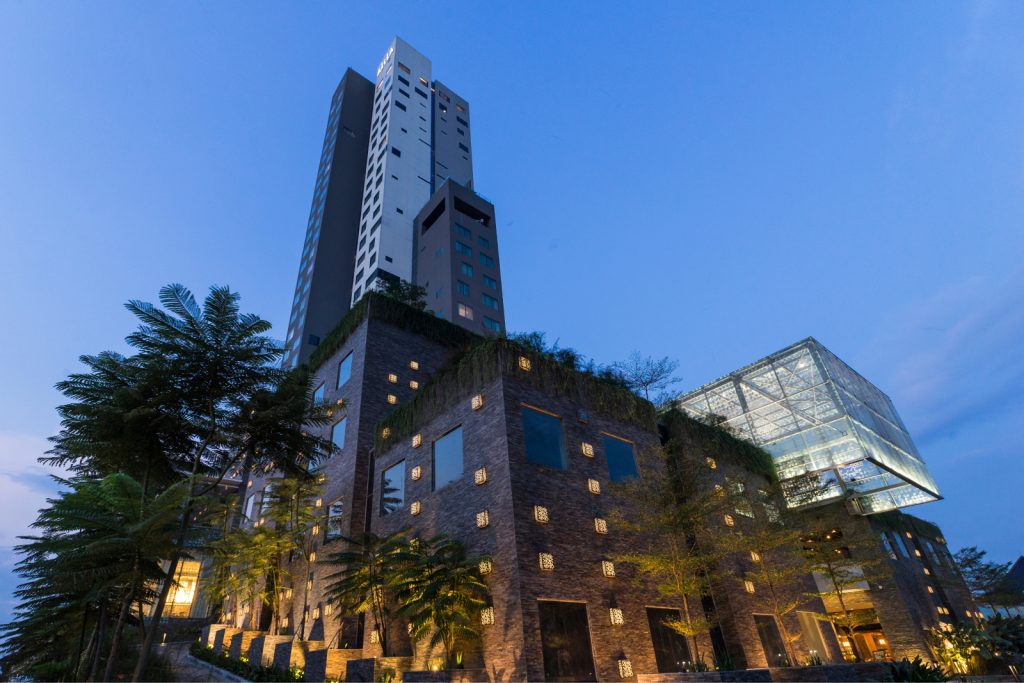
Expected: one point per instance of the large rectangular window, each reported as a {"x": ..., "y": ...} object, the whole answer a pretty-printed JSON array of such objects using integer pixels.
[
  {"x": 345, "y": 370},
  {"x": 810, "y": 628},
  {"x": 671, "y": 651},
  {"x": 542, "y": 436},
  {"x": 620, "y": 457},
  {"x": 333, "y": 530},
  {"x": 318, "y": 394},
  {"x": 771, "y": 640},
  {"x": 490, "y": 301},
  {"x": 392, "y": 489},
  {"x": 448, "y": 465},
  {"x": 338, "y": 433},
  {"x": 565, "y": 641}
]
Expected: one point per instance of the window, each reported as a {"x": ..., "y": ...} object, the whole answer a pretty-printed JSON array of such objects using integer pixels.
[
  {"x": 565, "y": 641},
  {"x": 338, "y": 433},
  {"x": 345, "y": 371},
  {"x": 542, "y": 437},
  {"x": 400, "y": 105},
  {"x": 403, "y": 80},
  {"x": 403, "y": 92},
  {"x": 392, "y": 489},
  {"x": 334, "y": 511},
  {"x": 463, "y": 231},
  {"x": 318, "y": 394},
  {"x": 464, "y": 249},
  {"x": 490, "y": 282},
  {"x": 463, "y": 147},
  {"x": 621, "y": 461},
  {"x": 448, "y": 465},
  {"x": 420, "y": 92},
  {"x": 463, "y": 288},
  {"x": 404, "y": 69},
  {"x": 465, "y": 269},
  {"x": 465, "y": 311},
  {"x": 484, "y": 242},
  {"x": 771, "y": 640},
  {"x": 486, "y": 260},
  {"x": 490, "y": 302},
  {"x": 492, "y": 325},
  {"x": 811, "y": 631},
  {"x": 670, "y": 649},
  {"x": 397, "y": 152}
]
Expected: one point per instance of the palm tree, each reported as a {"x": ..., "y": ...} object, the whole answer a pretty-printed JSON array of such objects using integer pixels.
[
  {"x": 371, "y": 569},
  {"x": 442, "y": 594}
]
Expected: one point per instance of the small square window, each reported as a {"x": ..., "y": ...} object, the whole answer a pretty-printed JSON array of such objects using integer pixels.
[{"x": 465, "y": 312}]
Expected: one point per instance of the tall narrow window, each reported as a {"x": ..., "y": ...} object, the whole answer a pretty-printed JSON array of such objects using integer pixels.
[
  {"x": 543, "y": 439},
  {"x": 318, "y": 394},
  {"x": 670, "y": 649},
  {"x": 338, "y": 433},
  {"x": 448, "y": 463},
  {"x": 345, "y": 370},
  {"x": 621, "y": 460},
  {"x": 771, "y": 640},
  {"x": 565, "y": 641},
  {"x": 392, "y": 489},
  {"x": 334, "y": 511},
  {"x": 811, "y": 632},
  {"x": 490, "y": 302}
]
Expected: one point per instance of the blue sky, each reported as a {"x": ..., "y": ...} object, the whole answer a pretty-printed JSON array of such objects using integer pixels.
[{"x": 706, "y": 181}]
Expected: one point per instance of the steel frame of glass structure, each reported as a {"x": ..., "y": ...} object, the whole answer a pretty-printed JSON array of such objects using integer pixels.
[{"x": 816, "y": 415}]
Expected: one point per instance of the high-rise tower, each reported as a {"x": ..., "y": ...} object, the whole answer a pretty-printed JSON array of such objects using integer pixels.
[{"x": 390, "y": 146}]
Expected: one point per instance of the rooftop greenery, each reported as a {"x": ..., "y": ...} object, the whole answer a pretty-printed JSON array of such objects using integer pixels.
[
  {"x": 389, "y": 310},
  {"x": 494, "y": 357},
  {"x": 716, "y": 442},
  {"x": 898, "y": 521}
]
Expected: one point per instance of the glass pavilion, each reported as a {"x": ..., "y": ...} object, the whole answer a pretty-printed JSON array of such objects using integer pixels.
[{"x": 818, "y": 417}]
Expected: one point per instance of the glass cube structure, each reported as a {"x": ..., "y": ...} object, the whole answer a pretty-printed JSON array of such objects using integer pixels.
[{"x": 816, "y": 416}]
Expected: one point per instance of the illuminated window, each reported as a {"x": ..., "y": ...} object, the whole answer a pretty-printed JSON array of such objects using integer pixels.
[
  {"x": 600, "y": 525},
  {"x": 316, "y": 613},
  {"x": 385, "y": 433},
  {"x": 547, "y": 561},
  {"x": 930, "y": 589},
  {"x": 183, "y": 593},
  {"x": 465, "y": 312}
]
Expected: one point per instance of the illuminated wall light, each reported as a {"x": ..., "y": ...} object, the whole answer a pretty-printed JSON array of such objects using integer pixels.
[
  {"x": 600, "y": 525},
  {"x": 712, "y": 464},
  {"x": 413, "y": 384},
  {"x": 385, "y": 433},
  {"x": 374, "y": 636},
  {"x": 340, "y": 402},
  {"x": 487, "y": 616},
  {"x": 262, "y": 521},
  {"x": 547, "y": 562},
  {"x": 748, "y": 586},
  {"x": 594, "y": 486},
  {"x": 288, "y": 594},
  {"x": 524, "y": 363},
  {"x": 392, "y": 399},
  {"x": 414, "y": 509},
  {"x": 414, "y": 365},
  {"x": 316, "y": 613},
  {"x": 483, "y": 520},
  {"x": 417, "y": 440},
  {"x": 927, "y": 572},
  {"x": 284, "y": 622},
  {"x": 755, "y": 556},
  {"x": 608, "y": 568},
  {"x": 616, "y": 616},
  {"x": 393, "y": 378},
  {"x": 486, "y": 566},
  {"x": 328, "y": 609},
  {"x": 477, "y": 402},
  {"x": 719, "y": 489},
  {"x": 625, "y": 668},
  {"x": 917, "y": 552},
  {"x": 930, "y": 589},
  {"x": 540, "y": 514},
  {"x": 588, "y": 449},
  {"x": 416, "y": 473},
  {"x": 330, "y": 412},
  {"x": 729, "y": 520},
  {"x": 909, "y": 535},
  {"x": 309, "y": 585},
  {"x": 316, "y": 530},
  {"x": 249, "y": 485},
  {"x": 319, "y": 502},
  {"x": 480, "y": 476}
]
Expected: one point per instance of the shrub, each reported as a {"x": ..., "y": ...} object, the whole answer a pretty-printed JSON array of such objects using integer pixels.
[
  {"x": 917, "y": 670},
  {"x": 245, "y": 670}
]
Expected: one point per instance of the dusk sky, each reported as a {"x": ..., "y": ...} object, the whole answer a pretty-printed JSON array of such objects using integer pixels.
[{"x": 710, "y": 182}]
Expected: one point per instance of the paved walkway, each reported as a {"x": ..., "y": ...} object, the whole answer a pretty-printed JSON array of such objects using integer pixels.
[{"x": 185, "y": 668}]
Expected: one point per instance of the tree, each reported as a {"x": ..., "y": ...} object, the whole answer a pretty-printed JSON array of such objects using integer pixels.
[
  {"x": 406, "y": 292},
  {"x": 442, "y": 593},
  {"x": 667, "y": 512},
  {"x": 371, "y": 569},
  {"x": 644, "y": 375},
  {"x": 984, "y": 579},
  {"x": 846, "y": 561}
]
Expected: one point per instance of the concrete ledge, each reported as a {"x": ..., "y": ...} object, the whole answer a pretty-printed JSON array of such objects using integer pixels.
[
  {"x": 220, "y": 673},
  {"x": 453, "y": 675},
  {"x": 740, "y": 675},
  {"x": 222, "y": 641},
  {"x": 240, "y": 643},
  {"x": 210, "y": 632},
  {"x": 263, "y": 649},
  {"x": 329, "y": 663}
]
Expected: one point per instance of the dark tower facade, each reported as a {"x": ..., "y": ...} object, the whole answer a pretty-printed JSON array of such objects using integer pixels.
[{"x": 323, "y": 288}]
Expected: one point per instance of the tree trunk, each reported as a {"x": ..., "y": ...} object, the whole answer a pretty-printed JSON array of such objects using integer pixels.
[
  {"x": 154, "y": 621},
  {"x": 101, "y": 631},
  {"x": 108, "y": 673},
  {"x": 81, "y": 644},
  {"x": 243, "y": 489}
]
